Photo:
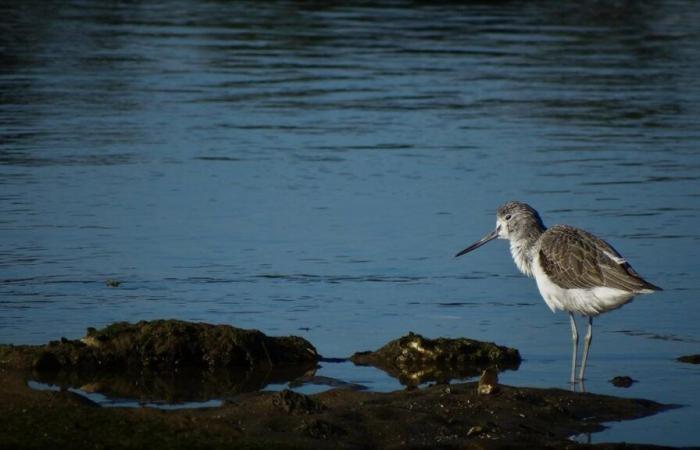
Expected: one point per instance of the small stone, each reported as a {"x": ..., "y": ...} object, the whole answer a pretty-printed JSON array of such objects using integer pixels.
[
  {"x": 622, "y": 381},
  {"x": 488, "y": 383},
  {"x": 113, "y": 283},
  {"x": 475, "y": 430}
]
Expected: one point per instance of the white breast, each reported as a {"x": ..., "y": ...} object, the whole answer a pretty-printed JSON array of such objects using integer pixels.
[
  {"x": 521, "y": 256},
  {"x": 588, "y": 302}
]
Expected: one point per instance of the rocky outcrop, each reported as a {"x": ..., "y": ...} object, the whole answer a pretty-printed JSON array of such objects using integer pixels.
[
  {"x": 162, "y": 344},
  {"x": 414, "y": 359}
]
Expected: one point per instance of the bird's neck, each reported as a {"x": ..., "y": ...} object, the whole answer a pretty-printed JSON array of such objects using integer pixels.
[{"x": 523, "y": 250}]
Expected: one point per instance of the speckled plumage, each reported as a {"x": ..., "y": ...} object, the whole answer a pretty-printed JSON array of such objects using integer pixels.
[{"x": 574, "y": 258}]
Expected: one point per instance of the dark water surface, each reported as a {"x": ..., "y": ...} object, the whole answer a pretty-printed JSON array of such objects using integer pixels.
[{"x": 311, "y": 168}]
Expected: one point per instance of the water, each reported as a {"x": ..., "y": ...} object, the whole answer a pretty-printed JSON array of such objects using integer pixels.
[{"x": 311, "y": 169}]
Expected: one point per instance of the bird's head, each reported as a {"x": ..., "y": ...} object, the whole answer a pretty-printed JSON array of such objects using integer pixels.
[
  {"x": 514, "y": 221},
  {"x": 517, "y": 220}
]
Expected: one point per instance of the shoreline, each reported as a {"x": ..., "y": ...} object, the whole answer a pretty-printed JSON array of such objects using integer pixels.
[{"x": 170, "y": 359}]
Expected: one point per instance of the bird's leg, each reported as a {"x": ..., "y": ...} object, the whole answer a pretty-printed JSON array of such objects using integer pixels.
[
  {"x": 586, "y": 346},
  {"x": 574, "y": 340}
]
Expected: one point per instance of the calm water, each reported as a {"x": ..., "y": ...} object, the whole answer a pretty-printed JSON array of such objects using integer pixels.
[{"x": 311, "y": 169}]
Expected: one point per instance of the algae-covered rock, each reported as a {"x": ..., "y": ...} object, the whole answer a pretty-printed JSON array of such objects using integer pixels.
[
  {"x": 622, "y": 381},
  {"x": 162, "y": 344},
  {"x": 414, "y": 359}
]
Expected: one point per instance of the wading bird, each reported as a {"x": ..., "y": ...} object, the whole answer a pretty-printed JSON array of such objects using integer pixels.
[{"x": 574, "y": 270}]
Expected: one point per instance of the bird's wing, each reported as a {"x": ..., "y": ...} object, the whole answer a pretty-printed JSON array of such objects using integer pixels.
[{"x": 574, "y": 258}]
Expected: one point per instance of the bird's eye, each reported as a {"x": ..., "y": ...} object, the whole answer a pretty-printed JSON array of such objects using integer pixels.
[{"x": 508, "y": 216}]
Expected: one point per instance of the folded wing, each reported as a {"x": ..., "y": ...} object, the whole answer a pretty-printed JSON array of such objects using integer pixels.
[{"x": 574, "y": 258}]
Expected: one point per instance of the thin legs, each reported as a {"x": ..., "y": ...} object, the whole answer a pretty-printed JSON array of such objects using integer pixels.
[
  {"x": 586, "y": 346},
  {"x": 574, "y": 340}
]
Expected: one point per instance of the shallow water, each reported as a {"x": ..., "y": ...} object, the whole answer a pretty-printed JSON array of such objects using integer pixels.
[{"x": 311, "y": 169}]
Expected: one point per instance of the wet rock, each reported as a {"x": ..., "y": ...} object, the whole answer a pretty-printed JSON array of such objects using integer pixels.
[
  {"x": 623, "y": 381},
  {"x": 163, "y": 344},
  {"x": 414, "y": 359},
  {"x": 475, "y": 430},
  {"x": 112, "y": 283},
  {"x": 488, "y": 383},
  {"x": 690, "y": 359},
  {"x": 294, "y": 403}
]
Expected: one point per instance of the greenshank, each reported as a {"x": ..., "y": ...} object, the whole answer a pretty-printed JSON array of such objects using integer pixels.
[{"x": 575, "y": 271}]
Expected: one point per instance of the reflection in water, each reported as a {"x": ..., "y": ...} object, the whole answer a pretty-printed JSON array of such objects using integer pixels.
[
  {"x": 412, "y": 377},
  {"x": 188, "y": 386}
]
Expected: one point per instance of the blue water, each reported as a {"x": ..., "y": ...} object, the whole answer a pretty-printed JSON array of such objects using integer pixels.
[{"x": 311, "y": 169}]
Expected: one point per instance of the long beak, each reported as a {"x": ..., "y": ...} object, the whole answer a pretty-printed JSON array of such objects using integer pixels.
[{"x": 489, "y": 237}]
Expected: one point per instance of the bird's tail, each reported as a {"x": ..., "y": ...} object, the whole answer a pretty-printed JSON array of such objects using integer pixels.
[{"x": 648, "y": 288}]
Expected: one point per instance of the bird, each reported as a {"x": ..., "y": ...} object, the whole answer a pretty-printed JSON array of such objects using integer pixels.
[{"x": 575, "y": 271}]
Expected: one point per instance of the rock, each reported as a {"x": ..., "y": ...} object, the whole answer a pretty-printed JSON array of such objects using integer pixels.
[
  {"x": 475, "y": 430},
  {"x": 488, "y": 383},
  {"x": 414, "y": 359},
  {"x": 622, "y": 381},
  {"x": 690, "y": 359},
  {"x": 112, "y": 283},
  {"x": 163, "y": 344}
]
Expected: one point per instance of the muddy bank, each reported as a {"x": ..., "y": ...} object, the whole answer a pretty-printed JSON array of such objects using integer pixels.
[
  {"x": 441, "y": 416},
  {"x": 182, "y": 361},
  {"x": 414, "y": 359}
]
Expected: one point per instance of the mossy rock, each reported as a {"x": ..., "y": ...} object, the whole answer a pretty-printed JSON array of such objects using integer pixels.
[
  {"x": 162, "y": 344},
  {"x": 414, "y": 359}
]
